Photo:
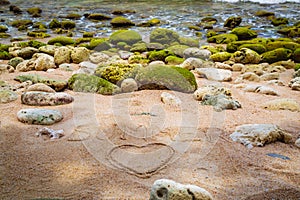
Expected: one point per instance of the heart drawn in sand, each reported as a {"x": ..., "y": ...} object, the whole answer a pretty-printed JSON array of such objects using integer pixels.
[{"x": 142, "y": 161}]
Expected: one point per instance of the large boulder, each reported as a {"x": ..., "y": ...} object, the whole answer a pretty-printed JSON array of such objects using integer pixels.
[
  {"x": 259, "y": 134},
  {"x": 232, "y": 22},
  {"x": 165, "y": 189},
  {"x": 166, "y": 77},
  {"x": 39, "y": 116},
  {"x": 37, "y": 98},
  {"x": 164, "y": 36},
  {"x": 246, "y": 56},
  {"x": 128, "y": 36}
]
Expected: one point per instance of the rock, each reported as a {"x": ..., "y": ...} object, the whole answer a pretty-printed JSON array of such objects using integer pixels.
[
  {"x": 282, "y": 104},
  {"x": 215, "y": 74},
  {"x": 223, "y": 38},
  {"x": 259, "y": 48},
  {"x": 232, "y": 22},
  {"x": 26, "y": 65},
  {"x": 121, "y": 22},
  {"x": 264, "y": 13},
  {"x": 166, "y": 77},
  {"x": 62, "y": 55},
  {"x": 53, "y": 134},
  {"x": 297, "y": 143},
  {"x": 276, "y": 55},
  {"x": 129, "y": 85},
  {"x": 250, "y": 76},
  {"x": 40, "y": 87},
  {"x": 259, "y": 134},
  {"x": 174, "y": 60},
  {"x": 155, "y": 46},
  {"x": 6, "y": 69},
  {"x": 61, "y": 40},
  {"x": 99, "y": 44},
  {"x": 39, "y": 116},
  {"x": 261, "y": 89},
  {"x": 66, "y": 67},
  {"x": 221, "y": 102},
  {"x": 270, "y": 76},
  {"x": 210, "y": 90},
  {"x": 295, "y": 84},
  {"x": 25, "y": 53},
  {"x": 80, "y": 54},
  {"x": 246, "y": 56},
  {"x": 194, "y": 52},
  {"x": 43, "y": 62},
  {"x": 7, "y": 96},
  {"x": 37, "y": 98},
  {"x": 156, "y": 63},
  {"x": 67, "y": 24},
  {"x": 237, "y": 67},
  {"x": 192, "y": 63},
  {"x": 164, "y": 189},
  {"x": 164, "y": 36},
  {"x": 244, "y": 33},
  {"x": 48, "y": 49},
  {"x": 15, "y": 61},
  {"x": 159, "y": 55},
  {"x": 280, "y": 21},
  {"x": 220, "y": 65},
  {"x": 178, "y": 50},
  {"x": 125, "y": 54},
  {"x": 220, "y": 56},
  {"x": 138, "y": 59},
  {"x": 98, "y": 16},
  {"x": 128, "y": 36},
  {"x": 296, "y": 73},
  {"x": 98, "y": 57},
  {"x": 170, "y": 99},
  {"x": 257, "y": 69},
  {"x": 92, "y": 84},
  {"x": 282, "y": 44}
]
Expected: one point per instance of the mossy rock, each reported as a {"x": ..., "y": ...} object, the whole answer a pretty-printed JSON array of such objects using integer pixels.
[
  {"x": 214, "y": 49},
  {"x": 164, "y": 36},
  {"x": 54, "y": 24},
  {"x": 130, "y": 37},
  {"x": 174, "y": 60},
  {"x": 38, "y": 34},
  {"x": 264, "y": 13},
  {"x": 40, "y": 26},
  {"x": 234, "y": 46},
  {"x": 57, "y": 85},
  {"x": 99, "y": 44},
  {"x": 121, "y": 22},
  {"x": 36, "y": 44},
  {"x": 220, "y": 57},
  {"x": 115, "y": 73},
  {"x": 232, "y": 22},
  {"x": 223, "y": 38},
  {"x": 296, "y": 55},
  {"x": 92, "y": 84},
  {"x": 35, "y": 11},
  {"x": 297, "y": 67},
  {"x": 83, "y": 40},
  {"x": 259, "y": 48},
  {"x": 22, "y": 22},
  {"x": 281, "y": 44},
  {"x": 189, "y": 41},
  {"x": 3, "y": 29},
  {"x": 75, "y": 16},
  {"x": 139, "y": 47},
  {"x": 279, "y": 54},
  {"x": 290, "y": 31},
  {"x": 165, "y": 77},
  {"x": 4, "y": 35},
  {"x": 138, "y": 59},
  {"x": 4, "y": 55},
  {"x": 15, "y": 61},
  {"x": 7, "y": 96},
  {"x": 178, "y": 49},
  {"x": 211, "y": 33},
  {"x": 159, "y": 55},
  {"x": 62, "y": 40},
  {"x": 280, "y": 21},
  {"x": 150, "y": 23},
  {"x": 244, "y": 33},
  {"x": 246, "y": 56},
  {"x": 4, "y": 47},
  {"x": 88, "y": 34},
  {"x": 98, "y": 16},
  {"x": 67, "y": 24}
]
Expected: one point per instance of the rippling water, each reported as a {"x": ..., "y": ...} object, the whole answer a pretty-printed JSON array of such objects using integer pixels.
[{"x": 174, "y": 14}]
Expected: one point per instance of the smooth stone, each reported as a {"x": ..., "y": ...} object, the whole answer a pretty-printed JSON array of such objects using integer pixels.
[
  {"x": 39, "y": 116},
  {"x": 261, "y": 89},
  {"x": 7, "y": 96},
  {"x": 156, "y": 63},
  {"x": 36, "y": 98},
  {"x": 98, "y": 57},
  {"x": 237, "y": 67},
  {"x": 66, "y": 67},
  {"x": 259, "y": 134},
  {"x": 48, "y": 49},
  {"x": 170, "y": 99},
  {"x": 40, "y": 87},
  {"x": 210, "y": 90},
  {"x": 43, "y": 62},
  {"x": 297, "y": 143},
  {"x": 196, "y": 53},
  {"x": 215, "y": 74},
  {"x": 282, "y": 104},
  {"x": 165, "y": 189},
  {"x": 192, "y": 63},
  {"x": 129, "y": 85},
  {"x": 80, "y": 54},
  {"x": 295, "y": 84},
  {"x": 270, "y": 76},
  {"x": 220, "y": 65}
]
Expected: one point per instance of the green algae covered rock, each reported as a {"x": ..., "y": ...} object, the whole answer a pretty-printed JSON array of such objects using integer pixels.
[
  {"x": 54, "y": 24},
  {"x": 174, "y": 60},
  {"x": 22, "y": 22},
  {"x": 164, "y": 36},
  {"x": 121, "y": 22},
  {"x": 223, "y": 38},
  {"x": 115, "y": 73},
  {"x": 259, "y": 48},
  {"x": 92, "y": 84},
  {"x": 99, "y": 44},
  {"x": 159, "y": 55},
  {"x": 296, "y": 55},
  {"x": 62, "y": 40},
  {"x": 67, "y": 24},
  {"x": 178, "y": 49},
  {"x": 38, "y": 34},
  {"x": 244, "y": 33},
  {"x": 246, "y": 56},
  {"x": 220, "y": 57},
  {"x": 3, "y": 29},
  {"x": 234, "y": 46},
  {"x": 98, "y": 16},
  {"x": 214, "y": 49},
  {"x": 166, "y": 77},
  {"x": 4, "y": 55},
  {"x": 57, "y": 85},
  {"x": 264, "y": 13},
  {"x": 130, "y": 37},
  {"x": 139, "y": 47},
  {"x": 282, "y": 44},
  {"x": 150, "y": 23},
  {"x": 280, "y": 21},
  {"x": 232, "y": 22},
  {"x": 191, "y": 42},
  {"x": 279, "y": 54}
]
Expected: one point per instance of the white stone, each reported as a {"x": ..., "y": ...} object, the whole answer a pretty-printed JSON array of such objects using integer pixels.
[
  {"x": 282, "y": 104},
  {"x": 192, "y": 63},
  {"x": 196, "y": 53},
  {"x": 129, "y": 85},
  {"x": 215, "y": 74},
  {"x": 297, "y": 143},
  {"x": 39, "y": 116}
]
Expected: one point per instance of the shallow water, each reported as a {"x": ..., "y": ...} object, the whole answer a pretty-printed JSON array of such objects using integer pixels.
[{"x": 174, "y": 14}]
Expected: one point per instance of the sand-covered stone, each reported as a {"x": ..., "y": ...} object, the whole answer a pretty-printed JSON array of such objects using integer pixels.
[
  {"x": 259, "y": 134},
  {"x": 261, "y": 89},
  {"x": 170, "y": 99},
  {"x": 39, "y": 116},
  {"x": 215, "y": 74},
  {"x": 282, "y": 104},
  {"x": 165, "y": 189},
  {"x": 37, "y": 98}
]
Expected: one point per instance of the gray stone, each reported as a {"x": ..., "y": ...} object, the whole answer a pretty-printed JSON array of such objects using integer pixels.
[
  {"x": 215, "y": 74},
  {"x": 36, "y": 98},
  {"x": 260, "y": 89},
  {"x": 237, "y": 67},
  {"x": 296, "y": 73},
  {"x": 210, "y": 90},
  {"x": 164, "y": 189},
  {"x": 192, "y": 63},
  {"x": 62, "y": 55},
  {"x": 53, "y": 134},
  {"x": 221, "y": 102},
  {"x": 98, "y": 57},
  {"x": 39, "y": 116},
  {"x": 295, "y": 84},
  {"x": 259, "y": 134},
  {"x": 282, "y": 104},
  {"x": 129, "y": 85},
  {"x": 7, "y": 96},
  {"x": 80, "y": 54},
  {"x": 156, "y": 63},
  {"x": 15, "y": 61},
  {"x": 125, "y": 54},
  {"x": 270, "y": 76},
  {"x": 66, "y": 67},
  {"x": 196, "y": 53},
  {"x": 170, "y": 99},
  {"x": 40, "y": 87}
]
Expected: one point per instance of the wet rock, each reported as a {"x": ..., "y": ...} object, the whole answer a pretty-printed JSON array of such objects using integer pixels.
[
  {"x": 192, "y": 63},
  {"x": 164, "y": 36},
  {"x": 264, "y": 13},
  {"x": 37, "y": 98},
  {"x": 220, "y": 56},
  {"x": 295, "y": 84},
  {"x": 221, "y": 102},
  {"x": 15, "y": 61},
  {"x": 282, "y": 104},
  {"x": 280, "y": 21},
  {"x": 98, "y": 57},
  {"x": 6, "y": 69},
  {"x": 53, "y": 134},
  {"x": 61, "y": 40},
  {"x": 259, "y": 134},
  {"x": 80, "y": 54},
  {"x": 4, "y": 2},
  {"x": 7, "y": 96},
  {"x": 40, "y": 87},
  {"x": 244, "y": 33},
  {"x": 194, "y": 52},
  {"x": 223, "y": 38},
  {"x": 121, "y": 22},
  {"x": 210, "y": 90},
  {"x": 232, "y": 22},
  {"x": 129, "y": 85},
  {"x": 170, "y": 99},
  {"x": 246, "y": 56},
  {"x": 98, "y": 16},
  {"x": 276, "y": 55},
  {"x": 39, "y": 116},
  {"x": 62, "y": 55},
  {"x": 15, "y": 9},
  {"x": 165, "y": 189},
  {"x": 214, "y": 74}
]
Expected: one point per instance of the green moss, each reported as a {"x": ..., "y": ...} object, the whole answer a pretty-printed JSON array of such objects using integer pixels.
[
  {"x": 34, "y": 11},
  {"x": 296, "y": 55},
  {"x": 88, "y": 34},
  {"x": 173, "y": 60},
  {"x": 54, "y": 24},
  {"x": 75, "y": 16},
  {"x": 223, "y": 38},
  {"x": 4, "y": 55},
  {"x": 232, "y": 22},
  {"x": 3, "y": 29},
  {"x": 61, "y": 40},
  {"x": 297, "y": 67},
  {"x": 60, "y": 31},
  {"x": 57, "y": 85},
  {"x": 234, "y": 46},
  {"x": 22, "y": 22},
  {"x": 130, "y": 37},
  {"x": 138, "y": 59},
  {"x": 139, "y": 47},
  {"x": 191, "y": 42},
  {"x": 259, "y": 48},
  {"x": 164, "y": 77},
  {"x": 178, "y": 49},
  {"x": 38, "y": 34},
  {"x": 264, "y": 13},
  {"x": 36, "y": 44},
  {"x": 4, "y": 35},
  {"x": 282, "y": 44},
  {"x": 280, "y": 21},
  {"x": 98, "y": 16},
  {"x": 159, "y": 55},
  {"x": 211, "y": 34},
  {"x": 67, "y": 24},
  {"x": 163, "y": 36},
  {"x": 220, "y": 57},
  {"x": 121, "y": 22},
  {"x": 244, "y": 33},
  {"x": 40, "y": 26},
  {"x": 15, "y": 61},
  {"x": 276, "y": 55},
  {"x": 150, "y": 23},
  {"x": 83, "y": 40},
  {"x": 4, "y": 47},
  {"x": 115, "y": 73},
  {"x": 214, "y": 49}
]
